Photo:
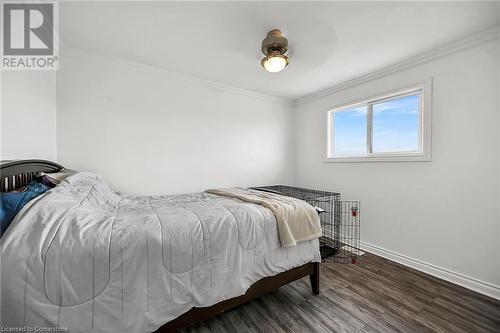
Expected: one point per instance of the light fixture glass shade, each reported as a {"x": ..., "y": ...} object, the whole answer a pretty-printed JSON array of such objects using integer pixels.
[{"x": 275, "y": 63}]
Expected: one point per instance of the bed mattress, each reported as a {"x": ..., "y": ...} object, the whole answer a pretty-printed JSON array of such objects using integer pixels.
[{"x": 88, "y": 259}]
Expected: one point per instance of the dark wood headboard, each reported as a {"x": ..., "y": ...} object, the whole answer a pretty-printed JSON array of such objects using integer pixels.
[{"x": 17, "y": 173}]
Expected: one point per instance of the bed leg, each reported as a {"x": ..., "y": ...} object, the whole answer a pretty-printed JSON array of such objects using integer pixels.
[{"x": 314, "y": 277}]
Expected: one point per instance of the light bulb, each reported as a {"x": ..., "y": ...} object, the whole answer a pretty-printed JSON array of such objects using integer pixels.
[{"x": 275, "y": 63}]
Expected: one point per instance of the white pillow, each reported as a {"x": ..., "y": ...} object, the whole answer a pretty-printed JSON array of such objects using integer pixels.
[{"x": 57, "y": 177}]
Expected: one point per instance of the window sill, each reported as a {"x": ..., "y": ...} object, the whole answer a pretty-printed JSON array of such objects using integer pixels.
[{"x": 378, "y": 158}]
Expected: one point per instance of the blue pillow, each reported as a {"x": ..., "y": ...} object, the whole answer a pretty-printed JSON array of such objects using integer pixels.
[{"x": 12, "y": 202}]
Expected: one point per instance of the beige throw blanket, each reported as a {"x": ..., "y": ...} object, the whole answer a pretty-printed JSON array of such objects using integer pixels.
[{"x": 297, "y": 220}]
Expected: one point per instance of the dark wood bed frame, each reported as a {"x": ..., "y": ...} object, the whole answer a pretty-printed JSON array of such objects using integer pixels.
[
  {"x": 261, "y": 287},
  {"x": 14, "y": 174}
]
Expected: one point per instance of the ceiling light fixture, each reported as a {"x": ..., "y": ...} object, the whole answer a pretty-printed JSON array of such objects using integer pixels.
[{"x": 274, "y": 47}]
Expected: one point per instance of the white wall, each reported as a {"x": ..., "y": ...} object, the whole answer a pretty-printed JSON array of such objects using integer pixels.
[
  {"x": 151, "y": 131},
  {"x": 28, "y": 115},
  {"x": 444, "y": 212}
]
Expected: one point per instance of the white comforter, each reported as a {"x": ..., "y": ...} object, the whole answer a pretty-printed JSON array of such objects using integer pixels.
[
  {"x": 297, "y": 220},
  {"x": 88, "y": 259}
]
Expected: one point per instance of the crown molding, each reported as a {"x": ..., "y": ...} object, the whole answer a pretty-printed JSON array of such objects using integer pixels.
[
  {"x": 439, "y": 52},
  {"x": 86, "y": 55}
]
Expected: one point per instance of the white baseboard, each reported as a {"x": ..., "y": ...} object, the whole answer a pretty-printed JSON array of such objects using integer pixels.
[{"x": 468, "y": 282}]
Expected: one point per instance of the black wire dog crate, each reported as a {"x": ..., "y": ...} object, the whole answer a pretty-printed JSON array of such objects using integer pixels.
[{"x": 340, "y": 221}]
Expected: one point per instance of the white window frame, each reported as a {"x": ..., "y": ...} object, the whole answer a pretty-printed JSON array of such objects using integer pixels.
[{"x": 425, "y": 116}]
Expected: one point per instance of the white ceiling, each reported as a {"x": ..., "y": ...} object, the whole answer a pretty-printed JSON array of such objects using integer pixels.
[{"x": 330, "y": 42}]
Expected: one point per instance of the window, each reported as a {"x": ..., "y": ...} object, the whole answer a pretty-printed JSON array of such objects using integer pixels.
[
  {"x": 350, "y": 132},
  {"x": 381, "y": 129}
]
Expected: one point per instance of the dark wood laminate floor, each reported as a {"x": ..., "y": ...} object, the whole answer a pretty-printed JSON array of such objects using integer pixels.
[{"x": 377, "y": 295}]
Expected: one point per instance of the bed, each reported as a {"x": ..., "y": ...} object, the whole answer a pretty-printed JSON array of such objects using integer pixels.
[{"x": 86, "y": 258}]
